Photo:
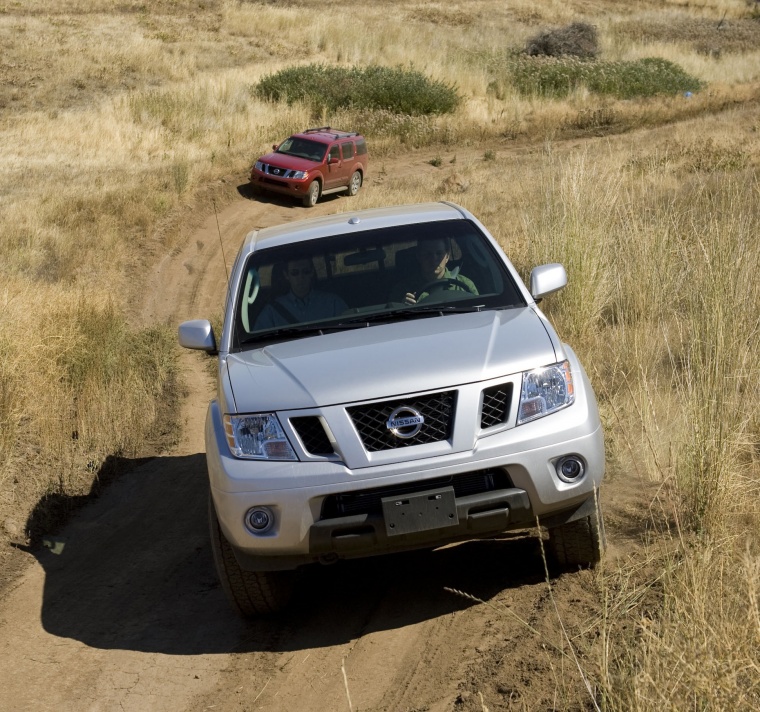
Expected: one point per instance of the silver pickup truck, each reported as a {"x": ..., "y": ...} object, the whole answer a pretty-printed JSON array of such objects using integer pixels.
[{"x": 387, "y": 382}]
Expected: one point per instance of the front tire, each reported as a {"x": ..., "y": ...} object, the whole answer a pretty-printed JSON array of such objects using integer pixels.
[
  {"x": 580, "y": 543},
  {"x": 355, "y": 184},
  {"x": 312, "y": 195},
  {"x": 251, "y": 593}
]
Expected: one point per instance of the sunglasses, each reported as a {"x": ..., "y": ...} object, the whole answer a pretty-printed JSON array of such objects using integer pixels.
[{"x": 303, "y": 272}]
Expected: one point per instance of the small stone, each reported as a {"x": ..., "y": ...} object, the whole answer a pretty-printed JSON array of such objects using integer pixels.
[{"x": 12, "y": 527}]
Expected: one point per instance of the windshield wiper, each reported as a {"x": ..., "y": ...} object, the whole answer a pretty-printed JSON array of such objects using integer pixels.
[
  {"x": 408, "y": 313},
  {"x": 298, "y": 330},
  {"x": 360, "y": 322},
  {"x": 449, "y": 309}
]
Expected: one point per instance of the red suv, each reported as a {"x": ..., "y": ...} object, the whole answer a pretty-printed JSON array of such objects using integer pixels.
[{"x": 313, "y": 163}]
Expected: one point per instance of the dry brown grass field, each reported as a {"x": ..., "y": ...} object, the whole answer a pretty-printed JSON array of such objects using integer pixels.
[{"x": 122, "y": 124}]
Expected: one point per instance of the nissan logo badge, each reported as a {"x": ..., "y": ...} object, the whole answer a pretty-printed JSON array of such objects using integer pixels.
[{"x": 405, "y": 422}]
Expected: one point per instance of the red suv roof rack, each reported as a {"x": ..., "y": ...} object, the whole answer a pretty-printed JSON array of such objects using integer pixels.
[{"x": 331, "y": 131}]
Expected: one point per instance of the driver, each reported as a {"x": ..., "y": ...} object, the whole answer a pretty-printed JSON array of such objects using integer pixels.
[{"x": 432, "y": 273}]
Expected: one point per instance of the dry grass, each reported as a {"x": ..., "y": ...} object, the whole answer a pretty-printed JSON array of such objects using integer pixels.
[
  {"x": 659, "y": 242},
  {"x": 681, "y": 629},
  {"x": 113, "y": 121},
  {"x": 703, "y": 35},
  {"x": 79, "y": 388}
]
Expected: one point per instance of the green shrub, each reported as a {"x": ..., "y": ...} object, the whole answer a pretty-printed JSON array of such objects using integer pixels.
[
  {"x": 645, "y": 77},
  {"x": 401, "y": 91},
  {"x": 547, "y": 77},
  {"x": 551, "y": 77}
]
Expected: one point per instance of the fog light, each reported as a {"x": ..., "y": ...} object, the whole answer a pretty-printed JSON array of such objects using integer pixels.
[
  {"x": 259, "y": 520},
  {"x": 570, "y": 468}
]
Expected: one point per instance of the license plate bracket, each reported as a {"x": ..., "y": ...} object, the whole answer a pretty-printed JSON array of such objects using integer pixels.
[{"x": 420, "y": 511}]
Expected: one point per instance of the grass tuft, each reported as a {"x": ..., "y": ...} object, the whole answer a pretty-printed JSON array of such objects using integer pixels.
[{"x": 681, "y": 629}]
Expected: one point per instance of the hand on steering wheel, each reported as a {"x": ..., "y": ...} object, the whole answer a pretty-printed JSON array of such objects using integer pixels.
[{"x": 440, "y": 284}]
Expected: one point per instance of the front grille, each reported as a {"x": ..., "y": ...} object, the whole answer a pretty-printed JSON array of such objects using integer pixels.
[
  {"x": 496, "y": 401},
  {"x": 369, "y": 501},
  {"x": 269, "y": 169},
  {"x": 313, "y": 435},
  {"x": 371, "y": 421}
]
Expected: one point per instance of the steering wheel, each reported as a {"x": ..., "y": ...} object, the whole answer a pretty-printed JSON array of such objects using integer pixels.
[{"x": 439, "y": 284}]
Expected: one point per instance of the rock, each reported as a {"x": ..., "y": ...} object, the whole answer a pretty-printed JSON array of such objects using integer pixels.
[{"x": 12, "y": 528}]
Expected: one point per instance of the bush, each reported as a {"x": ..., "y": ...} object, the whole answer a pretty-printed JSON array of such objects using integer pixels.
[
  {"x": 401, "y": 91},
  {"x": 576, "y": 40},
  {"x": 644, "y": 77},
  {"x": 552, "y": 77}
]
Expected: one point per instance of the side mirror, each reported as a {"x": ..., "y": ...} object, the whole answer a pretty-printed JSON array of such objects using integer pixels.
[
  {"x": 275, "y": 146},
  {"x": 197, "y": 334},
  {"x": 546, "y": 279},
  {"x": 331, "y": 159}
]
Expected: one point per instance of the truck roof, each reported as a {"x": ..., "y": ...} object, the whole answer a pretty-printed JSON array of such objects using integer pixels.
[{"x": 355, "y": 221}]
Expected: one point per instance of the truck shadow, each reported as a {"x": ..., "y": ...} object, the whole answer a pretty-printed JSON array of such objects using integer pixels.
[{"x": 133, "y": 570}]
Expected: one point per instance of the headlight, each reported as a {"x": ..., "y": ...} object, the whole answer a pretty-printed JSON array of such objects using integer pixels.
[
  {"x": 300, "y": 174},
  {"x": 259, "y": 166},
  {"x": 545, "y": 390},
  {"x": 257, "y": 437}
]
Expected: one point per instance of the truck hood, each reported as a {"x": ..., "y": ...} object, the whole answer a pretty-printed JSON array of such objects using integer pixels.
[{"x": 383, "y": 361}]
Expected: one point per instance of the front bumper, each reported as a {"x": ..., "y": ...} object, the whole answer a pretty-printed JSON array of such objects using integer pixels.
[
  {"x": 284, "y": 186},
  {"x": 528, "y": 487},
  {"x": 366, "y": 535}
]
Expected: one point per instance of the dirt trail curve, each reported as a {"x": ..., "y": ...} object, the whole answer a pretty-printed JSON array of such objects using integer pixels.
[{"x": 125, "y": 612}]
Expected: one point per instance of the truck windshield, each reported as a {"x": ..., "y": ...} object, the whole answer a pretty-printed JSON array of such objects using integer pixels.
[
  {"x": 374, "y": 276},
  {"x": 303, "y": 148}
]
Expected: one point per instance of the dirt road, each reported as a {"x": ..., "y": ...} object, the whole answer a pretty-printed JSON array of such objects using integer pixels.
[{"x": 123, "y": 611}]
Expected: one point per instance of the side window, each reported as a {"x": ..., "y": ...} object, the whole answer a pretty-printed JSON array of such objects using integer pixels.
[
  {"x": 348, "y": 150},
  {"x": 361, "y": 147},
  {"x": 334, "y": 153}
]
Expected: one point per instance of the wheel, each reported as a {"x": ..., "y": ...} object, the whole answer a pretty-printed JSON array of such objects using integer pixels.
[
  {"x": 355, "y": 184},
  {"x": 312, "y": 195},
  {"x": 440, "y": 284},
  {"x": 251, "y": 593},
  {"x": 579, "y": 543}
]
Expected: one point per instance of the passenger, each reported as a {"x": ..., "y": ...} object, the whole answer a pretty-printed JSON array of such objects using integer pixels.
[
  {"x": 432, "y": 274},
  {"x": 301, "y": 304}
]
